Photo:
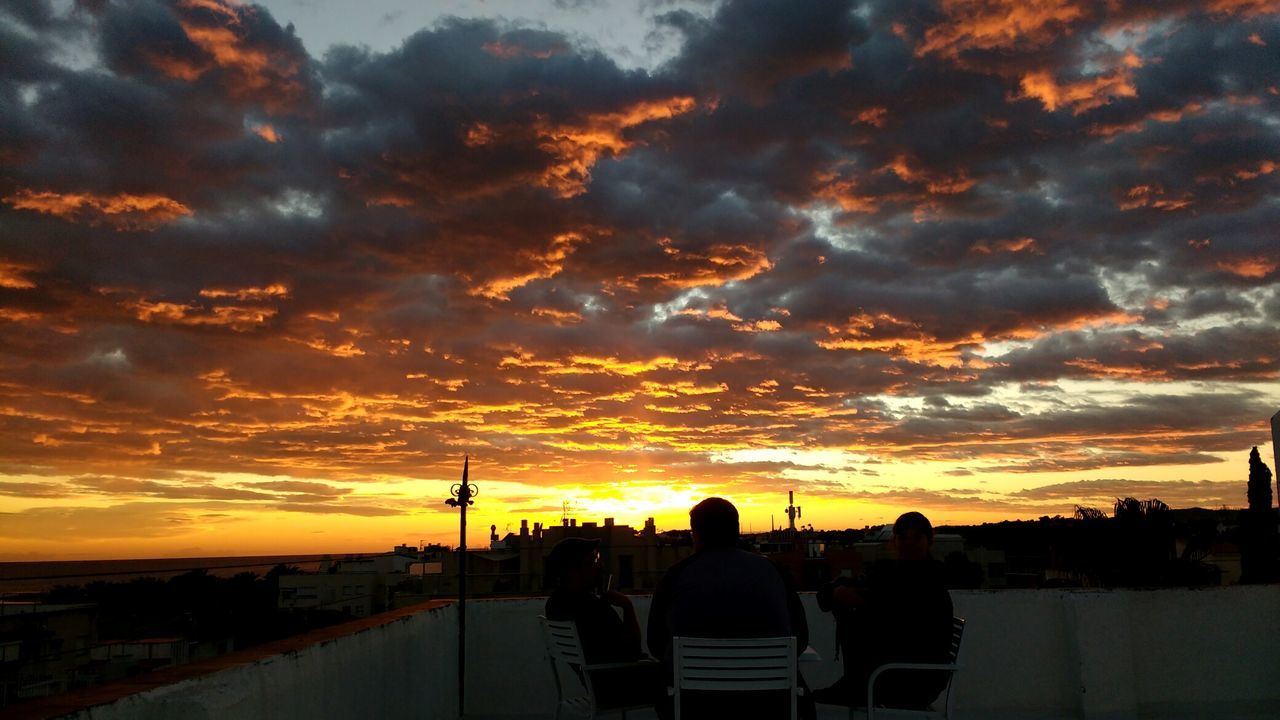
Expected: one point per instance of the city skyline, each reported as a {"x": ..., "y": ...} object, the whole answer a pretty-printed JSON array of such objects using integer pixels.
[{"x": 270, "y": 271}]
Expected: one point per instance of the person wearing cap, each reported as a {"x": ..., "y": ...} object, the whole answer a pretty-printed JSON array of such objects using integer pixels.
[
  {"x": 574, "y": 572},
  {"x": 900, "y": 611}
]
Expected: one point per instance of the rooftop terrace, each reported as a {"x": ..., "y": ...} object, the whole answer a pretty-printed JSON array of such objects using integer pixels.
[{"x": 1027, "y": 654}]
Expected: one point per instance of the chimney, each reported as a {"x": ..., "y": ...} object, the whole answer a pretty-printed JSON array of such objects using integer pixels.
[
  {"x": 573, "y": 522},
  {"x": 649, "y": 527},
  {"x": 608, "y": 522},
  {"x": 537, "y": 531},
  {"x": 524, "y": 528}
]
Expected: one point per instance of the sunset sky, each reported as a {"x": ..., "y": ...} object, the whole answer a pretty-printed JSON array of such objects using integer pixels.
[{"x": 267, "y": 272}]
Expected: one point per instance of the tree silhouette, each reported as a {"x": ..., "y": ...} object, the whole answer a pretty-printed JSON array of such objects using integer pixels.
[
  {"x": 1144, "y": 549},
  {"x": 1261, "y": 547},
  {"x": 1089, "y": 513},
  {"x": 1259, "y": 482}
]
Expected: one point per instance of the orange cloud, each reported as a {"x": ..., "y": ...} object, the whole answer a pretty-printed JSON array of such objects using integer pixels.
[
  {"x": 578, "y": 146},
  {"x": 1081, "y": 95},
  {"x": 1252, "y": 267},
  {"x": 229, "y": 316},
  {"x": 545, "y": 265},
  {"x": 680, "y": 387},
  {"x": 1160, "y": 116},
  {"x": 935, "y": 183},
  {"x": 13, "y": 276},
  {"x": 1266, "y": 167},
  {"x": 844, "y": 193},
  {"x": 268, "y": 133},
  {"x": 719, "y": 312},
  {"x": 1152, "y": 196},
  {"x": 1016, "y": 245},
  {"x": 1245, "y": 7},
  {"x": 874, "y": 116},
  {"x": 13, "y": 315},
  {"x": 249, "y": 70},
  {"x": 247, "y": 293},
  {"x": 717, "y": 265},
  {"x": 885, "y": 333},
  {"x": 998, "y": 24},
  {"x": 479, "y": 134},
  {"x": 559, "y": 317},
  {"x": 509, "y": 51},
  {"x": 758, "y": 326},
  {"x": 343, "y": 350},
  {"x": 588, "y": 364},
  {"x": 122, "y": 211}
]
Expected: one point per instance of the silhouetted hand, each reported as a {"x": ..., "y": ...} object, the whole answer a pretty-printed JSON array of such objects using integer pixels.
[{"x": 617, "y": 599}]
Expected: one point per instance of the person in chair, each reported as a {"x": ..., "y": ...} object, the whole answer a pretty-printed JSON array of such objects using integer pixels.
[
  {"x": 899, "y": 612},
  {"x": 574, "y": 569},
  {"x": 722, "y": 591}
]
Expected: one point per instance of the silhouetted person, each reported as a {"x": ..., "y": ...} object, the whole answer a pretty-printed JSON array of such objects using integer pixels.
[
  {"x": 899, "y": 612},
  {"x": 724, "y": 592},
  {"x": 574, "y": 568}
]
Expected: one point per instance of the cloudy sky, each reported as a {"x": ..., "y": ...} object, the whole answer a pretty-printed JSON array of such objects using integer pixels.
[{"x": 267, "y": 272}]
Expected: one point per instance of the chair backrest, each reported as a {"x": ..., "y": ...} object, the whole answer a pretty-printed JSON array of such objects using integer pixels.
[
  {"x": 734, "y": 664},
  {"x": 562, "y": 641},
  {"x": 957, "y": 634}
]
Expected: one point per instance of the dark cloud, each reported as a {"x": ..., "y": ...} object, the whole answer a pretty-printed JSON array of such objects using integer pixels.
[
  {"x": 1177, "y": 493},
  {"x": 906, "y": 231}
]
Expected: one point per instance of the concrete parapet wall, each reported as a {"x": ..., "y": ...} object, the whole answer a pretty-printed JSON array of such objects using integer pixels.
[
  {"x": 400, "y": 665},
  {"x": 1026, "y": 654}
]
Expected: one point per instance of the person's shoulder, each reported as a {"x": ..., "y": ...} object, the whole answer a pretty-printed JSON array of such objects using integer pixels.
[
  {"x": 675, "y": 571},
  {"x": 684, "y": 563},
  {"x": 757, "y": 561},
  {"x": 556, "y": 607}
]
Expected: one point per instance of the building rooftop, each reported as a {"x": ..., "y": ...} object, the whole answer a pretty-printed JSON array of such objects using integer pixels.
[{"x": 1027, "y": 653}]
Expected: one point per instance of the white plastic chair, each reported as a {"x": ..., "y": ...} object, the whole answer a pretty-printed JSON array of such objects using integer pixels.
[
  {"x": 564, "y": 646},
  {"x": 728, "y": 665},
  {"x": 871, "y": 711}
]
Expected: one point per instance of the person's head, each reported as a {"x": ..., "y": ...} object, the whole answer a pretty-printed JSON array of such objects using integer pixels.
[
  {"x": 574, "y": 563},
  {"x": 714, "y": 523},
  {"x": 912, "y": 536}
]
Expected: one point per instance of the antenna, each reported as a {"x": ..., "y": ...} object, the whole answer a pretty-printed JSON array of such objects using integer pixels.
[{"x": 793, "y": 511}]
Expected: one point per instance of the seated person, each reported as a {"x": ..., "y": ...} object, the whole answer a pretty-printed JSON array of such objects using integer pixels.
[
  {"x": 724, "y": 592},
  {"x": 574, "y": 569},
  {"x": 899, "y": 612}
]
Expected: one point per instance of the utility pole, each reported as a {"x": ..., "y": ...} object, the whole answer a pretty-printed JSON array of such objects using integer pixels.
[
  {"x": 1275, "y": 449},
  {"x": 462, "y": 494}
]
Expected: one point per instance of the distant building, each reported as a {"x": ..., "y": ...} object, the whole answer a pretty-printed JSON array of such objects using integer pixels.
[
  {"x": 44, "y": 648},
  {"x": 516, "y": 563},
  {"x": 358, "y": 586},
  {"x": 143, "y": 654}
]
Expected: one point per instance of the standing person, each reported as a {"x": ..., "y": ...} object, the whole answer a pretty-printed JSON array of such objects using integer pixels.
[
  {"x": 899, "y": 612},
  {"x": 573, "y": 566},
  {"x": 724, "y": 592}
]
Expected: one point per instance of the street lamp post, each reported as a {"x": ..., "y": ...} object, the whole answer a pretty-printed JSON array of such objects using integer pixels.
[{"x": 462, "y": 494}]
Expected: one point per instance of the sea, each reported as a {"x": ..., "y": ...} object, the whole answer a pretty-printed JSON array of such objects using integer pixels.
[{"x": 18, "y": 578}]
